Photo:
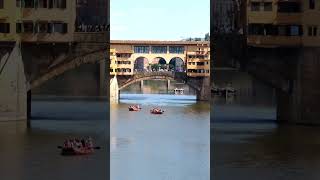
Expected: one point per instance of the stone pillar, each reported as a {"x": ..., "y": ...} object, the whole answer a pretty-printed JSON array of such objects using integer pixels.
[
  {"x": 301, "y": 105},
  {"x": 103, "y": 78},
  {"x": 13, "y": 91},
  {"x": 168, "y": 84},
  {"x": 205, "y": 92},
  {"x": 114, "y": 90},
  {"x": 285, "y": 107}
]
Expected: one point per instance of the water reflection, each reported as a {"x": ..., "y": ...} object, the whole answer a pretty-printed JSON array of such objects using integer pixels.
[
  {"x": 32, "y": 153},
  {"x": 247, "y": 143},
  {"x": 174, "y": 145}
]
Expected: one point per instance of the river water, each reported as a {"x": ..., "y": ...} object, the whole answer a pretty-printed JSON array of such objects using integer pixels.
[
  {"x": 248, "y": 144},
  {"x": 171, "y": 146},
  {"x": 32, "y": 154}
]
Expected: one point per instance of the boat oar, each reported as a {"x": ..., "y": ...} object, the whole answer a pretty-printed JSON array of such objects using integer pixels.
[{"x": 97, "y": 147}]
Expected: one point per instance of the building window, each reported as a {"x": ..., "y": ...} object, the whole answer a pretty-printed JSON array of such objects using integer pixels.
[
  {"x": 311, "y": 4},
  {"x": 255, "y": 6},
  {"x": 28, "y": 3},
  {"x": 141, "y": 49},
  {"x": 289, "y": 7},
  {"x": 28, "y": 27},
  {"x": 59, "y": 27},
  {"x": 255, "y": 29},
  {"x": 267, "y": 6},
  {"x": 19, "y": 27},
  {"x": 159, "y": 49},
  {"x": 43, "y": 4},
  {"x": 176, "y": 49},
  {"x": 18, "y": 3},
  {"x": 4, "y": 28},
  {"x": 312, "y": 30},
  {"x": 62, "y": 4},
  {"x": 42, "y": 27},
  {"x": 1, "y": 4}
]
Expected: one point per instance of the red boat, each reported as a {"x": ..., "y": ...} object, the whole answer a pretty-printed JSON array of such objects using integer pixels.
[
  {"x": 134, "y": 108},
  {"x": 156, "y": 111}
]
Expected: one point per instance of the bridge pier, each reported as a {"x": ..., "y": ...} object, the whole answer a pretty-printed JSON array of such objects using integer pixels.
[
  {"x": 205, "y": 91},
  {"x": 168, "y": 84},
  {"x": 13, "y": 91},
  {"x": 302, "y": 105},
  {"x": 114, "y": 90}
]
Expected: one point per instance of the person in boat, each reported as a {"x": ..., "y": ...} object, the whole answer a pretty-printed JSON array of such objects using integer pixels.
[
  {"x": 83, "y": 142},
  {"x": 89, "y": 143}
]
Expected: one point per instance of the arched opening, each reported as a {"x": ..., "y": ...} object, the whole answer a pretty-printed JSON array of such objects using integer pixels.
[
  {"x": 159, "y": 64},
  {"x": 141, "y": 64},
  {"x": 176, "y": 64}
]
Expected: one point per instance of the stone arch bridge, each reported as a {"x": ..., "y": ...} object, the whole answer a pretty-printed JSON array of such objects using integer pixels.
[{"x": 200, "y": 85}]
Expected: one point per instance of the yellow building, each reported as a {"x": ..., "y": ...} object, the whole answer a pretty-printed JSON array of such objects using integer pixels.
[
  {"x": 113, "y": 60},
  {"x": 198, "y": 62},
  {"x": 124, "y": 62},
  {"x": 134, "y": 55},
  {"x": 37, "y": 20},
  {"x": 283, "y": 23}
]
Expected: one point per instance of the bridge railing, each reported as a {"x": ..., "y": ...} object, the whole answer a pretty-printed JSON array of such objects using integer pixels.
[
  {"x": 154, "y": 73},
  {"x": 175, "y": 75}
]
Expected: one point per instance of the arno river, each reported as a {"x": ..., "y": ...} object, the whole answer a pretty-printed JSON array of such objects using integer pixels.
[
  {"x": 174, "y": 145},
  {"x": 248, "y": 144},
  {"x": 32, "y": 154}
]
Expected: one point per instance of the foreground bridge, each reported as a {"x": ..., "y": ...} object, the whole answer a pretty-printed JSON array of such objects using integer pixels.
[
  {"x": 200, "y": 85},
  {"x": 293, "y": 71},
  {"x": 27, "y": 66}
]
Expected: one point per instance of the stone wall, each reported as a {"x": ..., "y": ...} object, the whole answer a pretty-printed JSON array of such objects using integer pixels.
[{"x": 13, "y": 87}]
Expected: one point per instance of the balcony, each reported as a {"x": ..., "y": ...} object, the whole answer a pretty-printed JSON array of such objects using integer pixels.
[
  {"x": 288, "y": 18},
  {"x": 274, "y": 41}
]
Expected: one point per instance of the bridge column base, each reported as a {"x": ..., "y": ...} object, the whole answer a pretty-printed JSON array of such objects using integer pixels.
[
  {"x": 302, "y": 105},
  {"x": 114, "y": 90},
  {"x": 13, "y": 90},
  {"x": 205, "y": 91}
]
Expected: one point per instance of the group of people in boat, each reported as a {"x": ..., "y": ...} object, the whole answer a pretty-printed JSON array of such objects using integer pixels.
[
  {"x": 134, "y": 108},
  {"x": 77, "y": 143},
  {"x": 153, "y": 111},
  {"x": 156, "y": 111}
]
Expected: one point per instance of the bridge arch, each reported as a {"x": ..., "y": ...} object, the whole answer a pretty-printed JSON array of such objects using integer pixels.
[
  {"x": 141, "y": 63},
  {"x": 59, "y": 69},
  {"x": 158, "y": 63},
  {"x": 177, "y": 64},
  {"x": 166, "y": 75}
]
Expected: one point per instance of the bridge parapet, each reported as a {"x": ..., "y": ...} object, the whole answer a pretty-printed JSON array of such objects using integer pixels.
[{"x": 171, "y": 74}]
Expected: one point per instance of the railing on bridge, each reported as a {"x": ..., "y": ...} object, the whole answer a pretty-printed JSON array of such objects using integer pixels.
[
  {"x": 153, "y": 73},
  {"x": 172, "y": 74}
]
